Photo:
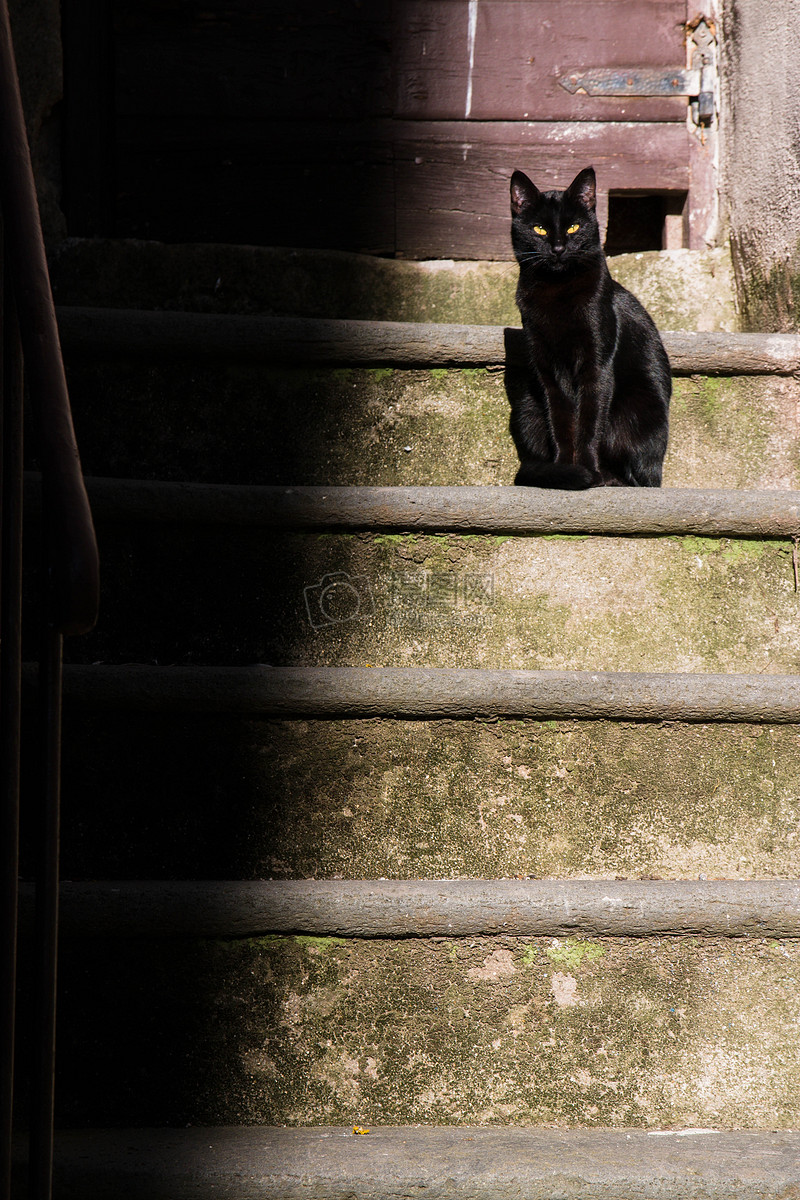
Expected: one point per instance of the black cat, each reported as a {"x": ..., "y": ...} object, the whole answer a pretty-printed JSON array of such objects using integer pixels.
[{"x": 594, "y": 408}]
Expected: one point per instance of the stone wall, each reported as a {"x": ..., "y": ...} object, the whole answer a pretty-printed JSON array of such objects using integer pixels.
[{"x": 761, "y": 157}]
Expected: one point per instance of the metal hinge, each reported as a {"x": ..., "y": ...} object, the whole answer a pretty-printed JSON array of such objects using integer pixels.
[{"x": 698, "y": 80}]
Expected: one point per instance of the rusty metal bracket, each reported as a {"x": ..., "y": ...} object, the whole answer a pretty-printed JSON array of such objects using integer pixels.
[{"x": 697, "y": 80}]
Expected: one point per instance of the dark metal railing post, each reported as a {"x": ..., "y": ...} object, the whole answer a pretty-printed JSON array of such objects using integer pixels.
[
  {"x": 10, "y": 705},
  {"x": 46, "y": 921}
]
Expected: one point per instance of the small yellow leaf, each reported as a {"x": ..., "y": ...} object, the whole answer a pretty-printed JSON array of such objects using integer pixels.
[{"x": 359, "y": 1129}]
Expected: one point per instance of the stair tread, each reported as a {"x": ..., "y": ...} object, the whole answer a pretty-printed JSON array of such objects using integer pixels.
[
  {"x": 430, "y": 908},
  {"x": 110, "y": 331},
  {"x": 723, "y": 512},
  {"x": 427, "y": 692},
  {"x": 333, "y": 1163}
]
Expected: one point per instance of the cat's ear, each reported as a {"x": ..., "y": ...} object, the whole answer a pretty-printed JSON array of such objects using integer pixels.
[
  {"x": 524, "y": 194},
  {"x": 583, "y": 189}
]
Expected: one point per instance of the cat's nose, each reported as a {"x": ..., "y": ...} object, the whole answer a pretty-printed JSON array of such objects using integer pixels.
[{"x": 558, "y": 250}]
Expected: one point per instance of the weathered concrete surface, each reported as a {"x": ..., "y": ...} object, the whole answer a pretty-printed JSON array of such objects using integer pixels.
[
  {"x": 560, "y": 602},
  {"x": 698, "y": 512},
  {"x": 420, "y": 693},
  {"x": 424, "y": 908},
  {"x": 221, "y": 797},
  {"x": 468, "y": 1163},
  {"x": 760, "y": 166},
  {"x": 233, "y": 337},
  {"x": 390, "y": 427},
  {"x": 520, "y": 1031},
  {"x": 681, "y": 289}
]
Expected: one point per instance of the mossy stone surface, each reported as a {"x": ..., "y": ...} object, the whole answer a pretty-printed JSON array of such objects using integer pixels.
[
  {"x": 232, "y": 798},
  {"x": 411, "y": 600},
  {"x": 682, "y": 289},
  {"x": 642, "y": 1032},
  {"x": 238, "y": 424}
]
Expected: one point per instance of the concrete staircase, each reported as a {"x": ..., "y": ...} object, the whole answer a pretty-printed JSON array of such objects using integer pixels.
[{"x": 400, "y": 800}]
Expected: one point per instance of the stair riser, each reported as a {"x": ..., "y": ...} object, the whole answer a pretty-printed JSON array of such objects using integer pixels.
[
  {"x": 211, "y": 796},
  {"x": 682, "y": 290},
  {"x": 239, "y": 424},
  {"x": 218, "y": 594},
  {"x": 612, "y": 1032}
]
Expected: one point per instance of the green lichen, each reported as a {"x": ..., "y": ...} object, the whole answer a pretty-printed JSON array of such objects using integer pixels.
[
  {"x": 573, "y": 953},
  {"x": 319, "y": 945}
]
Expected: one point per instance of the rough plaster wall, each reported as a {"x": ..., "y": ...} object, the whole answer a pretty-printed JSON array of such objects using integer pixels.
[
  {"x": 761, "y": 157},
  {"x": 36, "y": 29}
]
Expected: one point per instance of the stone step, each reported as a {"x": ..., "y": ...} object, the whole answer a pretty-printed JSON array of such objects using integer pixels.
[
  {"x": 333, "y": 1163},
  {"x": 527, "y": 1030},
  {"x": 170, "y": 794},
  {"x": 399, "y": 600},
  {"x": 266, "y": 772},
  {"x": 682, "y": 289},
  {"x": 426, "y": 908},
  {"x": 261, "y": 423},
  {"x": 703, "y": 512},
  {"x": 132, "y": 333},
  {"x": 324, "y": 577},
  {"x": 425, "y": 693}
]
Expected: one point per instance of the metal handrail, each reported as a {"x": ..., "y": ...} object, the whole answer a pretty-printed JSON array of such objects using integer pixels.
[
  {"x": 72, "y": 548},
  {"x": 69, "y": 606}
]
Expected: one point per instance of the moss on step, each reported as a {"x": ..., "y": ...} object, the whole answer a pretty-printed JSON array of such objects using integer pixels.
[
  {"x": 239, "y": 424},
  {"x": 646, "y": 1033},
  {"x": 666, "y": 604},
  {"x": 682, "y": 289},
  {"x": 228, "y": 798}
]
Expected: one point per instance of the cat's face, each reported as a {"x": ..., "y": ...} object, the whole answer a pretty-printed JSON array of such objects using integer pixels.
[{"x": 554, "y": 232}]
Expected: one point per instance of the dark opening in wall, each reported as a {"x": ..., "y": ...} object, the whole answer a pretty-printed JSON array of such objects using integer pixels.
[{"x": 645, "y": 221}]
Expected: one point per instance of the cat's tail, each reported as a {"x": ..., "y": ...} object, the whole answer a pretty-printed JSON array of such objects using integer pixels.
[{"x": 568, "y": 476}]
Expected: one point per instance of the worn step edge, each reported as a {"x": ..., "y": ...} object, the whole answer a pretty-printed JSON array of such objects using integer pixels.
[
  {"x": 470, "y": 1163},
  {"x": 109, "y": 332},
  {"x": 426, "y": 693},
  {"x": 494, "y": 510},
  {"x": 428, "y": 908}
]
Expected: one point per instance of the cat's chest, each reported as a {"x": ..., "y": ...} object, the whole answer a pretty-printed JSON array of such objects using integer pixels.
[
  {"x": 566, "y": 335},
  {"x": 566, "y": 323}
]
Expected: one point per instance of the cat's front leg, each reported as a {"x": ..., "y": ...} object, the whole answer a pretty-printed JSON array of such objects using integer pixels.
[{"x": 594, "y": 401}]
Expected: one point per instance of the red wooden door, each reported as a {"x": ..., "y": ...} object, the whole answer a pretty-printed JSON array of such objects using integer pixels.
[
  {"x": 478, "y": 92},
  {"x": 388, "y": 126}
]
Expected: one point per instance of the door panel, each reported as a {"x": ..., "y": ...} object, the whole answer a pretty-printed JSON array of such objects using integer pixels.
[
  {"x": 452, "y": 177},
  {"x": 501, "y": 59},
  {"x": 386, "y": 126}
]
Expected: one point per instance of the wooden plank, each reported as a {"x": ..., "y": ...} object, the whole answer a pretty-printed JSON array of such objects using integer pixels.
[
  {"x": 425, "y": 189},
  {"x": 429, "y": 908},
  {"x": 421, "y": 693},
  {"x": 251, "y": 59},
  {"x": 505, "y": 63},
  {"x": 452, "y": 176},
  {"x": 323, "y": 185}
]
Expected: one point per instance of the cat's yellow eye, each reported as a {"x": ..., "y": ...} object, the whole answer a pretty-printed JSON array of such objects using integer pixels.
[
  {"x": 573, "y": 229},
  {"x": 540, "y": 229}
]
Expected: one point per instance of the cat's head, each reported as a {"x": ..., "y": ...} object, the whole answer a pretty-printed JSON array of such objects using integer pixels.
[{"x": 555, "y": 233}]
